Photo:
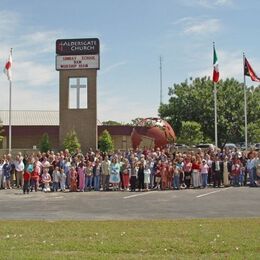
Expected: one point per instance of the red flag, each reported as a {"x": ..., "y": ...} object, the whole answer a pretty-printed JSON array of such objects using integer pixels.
[
  {"x": 8, "y": 65},
  {"x": 248, "y": 71}
]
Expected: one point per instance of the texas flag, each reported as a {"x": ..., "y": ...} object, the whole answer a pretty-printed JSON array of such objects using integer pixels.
[
  {"x": 8, "y": 66},
  {"x": 248, "y": 71}
]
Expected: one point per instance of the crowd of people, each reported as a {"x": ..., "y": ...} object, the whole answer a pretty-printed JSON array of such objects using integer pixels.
[{"x": 139, "y": 170}]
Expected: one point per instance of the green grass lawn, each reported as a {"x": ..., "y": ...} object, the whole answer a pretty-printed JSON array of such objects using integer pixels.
[{"x": 177, "y": 239}]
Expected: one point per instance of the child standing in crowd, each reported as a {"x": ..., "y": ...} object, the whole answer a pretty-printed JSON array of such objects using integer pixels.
[
  {"x": 204, "y": 173},
  {"x": 97, "y": 174},
  {"x": 147, "y": 174},
  {"x": 35, "y": 177},
  {"x": 56, "y": 179},
  {"x": 89, "y": 176},
  {"x": 81, "y": 176},
  {"x": 63, "y": 178},
  {"x": 26, "y": 182},
  {"x": 46, "y": 180},
  {"x": 176, "y": 177},
  {"x": 235, "y": 171}
]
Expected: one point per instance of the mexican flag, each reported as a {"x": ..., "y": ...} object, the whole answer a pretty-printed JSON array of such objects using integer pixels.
[{"x": 215, "y": 66}]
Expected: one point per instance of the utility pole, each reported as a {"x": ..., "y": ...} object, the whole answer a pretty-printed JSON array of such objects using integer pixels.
[{"x": 160, "y": 80}]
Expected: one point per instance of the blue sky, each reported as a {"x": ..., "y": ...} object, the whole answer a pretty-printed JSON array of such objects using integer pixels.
[{"x": 133, "y": 35}]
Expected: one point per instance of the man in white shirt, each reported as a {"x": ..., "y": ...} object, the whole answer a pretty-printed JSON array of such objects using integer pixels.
[{"x": 19, "y": 170}]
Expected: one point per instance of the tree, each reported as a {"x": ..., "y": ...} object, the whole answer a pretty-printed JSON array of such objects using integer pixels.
[
  {"x": 136, "y": 121},
  {"x": 71, "y": 141},
  {"x": 45, "y": 143},
  {"x": 190, "y": 133},
  {"x": 105, "y": 142},
  {"x": 194, "y": 102},
  {"x": 1, "y": 132},
  {"x": 254, "y": 132},
  {"x": 111, "y": 122}
]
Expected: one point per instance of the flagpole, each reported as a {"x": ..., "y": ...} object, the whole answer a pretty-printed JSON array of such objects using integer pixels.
[
  {"x": 160, "y": 80},
  {"x": 245, "y": 102},
  {"x": 10, "y": 112},
  {"x": 216, "y": 116},
  {"x": 215, "y": 108},
  {"x": 10, "y": 116}
]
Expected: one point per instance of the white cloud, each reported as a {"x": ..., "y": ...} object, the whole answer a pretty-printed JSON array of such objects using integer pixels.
[
  {"x": 34, "y": 74},
  {"x": 205, "y": 26},
  {"x": 207, "y": 3},
  {"x": 223, "y": 2},
  {"x": 39, "y": 42},
  {"x": 191, "y": 25},
  {"x": 8, "y": 23}
]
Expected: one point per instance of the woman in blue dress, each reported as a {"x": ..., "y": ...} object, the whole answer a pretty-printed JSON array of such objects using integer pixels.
[{"x": 114, "y": 173}]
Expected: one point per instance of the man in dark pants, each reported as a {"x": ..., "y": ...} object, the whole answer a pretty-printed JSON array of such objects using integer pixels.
[
  {"x": 141, "y": 177},
  {"x": 217, "y": 171}
]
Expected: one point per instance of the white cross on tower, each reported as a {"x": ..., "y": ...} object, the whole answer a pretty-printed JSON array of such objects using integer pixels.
[{"x": 78, "y": 86}]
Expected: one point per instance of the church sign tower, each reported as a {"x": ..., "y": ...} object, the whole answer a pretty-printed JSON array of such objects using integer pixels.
[{"x": 77, "y": 61}]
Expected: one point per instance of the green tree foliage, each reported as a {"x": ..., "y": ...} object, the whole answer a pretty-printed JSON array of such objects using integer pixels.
[
  {"x": 136, "y": 121},
  {"x": 45, "y": 143},
  {"x": 111, "y": 122},
  {"x": 190, "y": 133},
  {"x": 1, "y": 131},
  {"x": 71, "y": 142},
  {"x": 193, "y": 101},
  {"x": 105, "y": 142},
  {"x": 254, "y": 132}
]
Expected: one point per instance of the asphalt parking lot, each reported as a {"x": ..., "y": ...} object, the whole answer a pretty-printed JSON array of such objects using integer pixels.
[{"x": 202, "y": 203}]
